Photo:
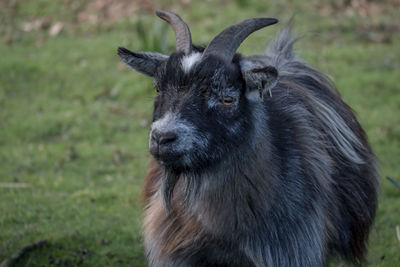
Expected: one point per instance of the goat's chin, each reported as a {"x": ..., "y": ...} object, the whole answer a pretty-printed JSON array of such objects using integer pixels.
[
  {"x": 181, "y": 162},
  {"x": 171, "y": 160}
]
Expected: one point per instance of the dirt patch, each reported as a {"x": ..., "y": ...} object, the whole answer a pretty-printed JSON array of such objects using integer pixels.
[
  {"x": 372, "y": 23},
  {"x": 101, "y": 11},
  {"x": 362, "y": 8}
]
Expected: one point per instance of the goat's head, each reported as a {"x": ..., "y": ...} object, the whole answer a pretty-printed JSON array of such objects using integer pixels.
[{"x": 202, "y": 108}]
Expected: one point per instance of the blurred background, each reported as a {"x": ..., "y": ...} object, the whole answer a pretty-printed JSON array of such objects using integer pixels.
[{"x": 74, "y": 120}]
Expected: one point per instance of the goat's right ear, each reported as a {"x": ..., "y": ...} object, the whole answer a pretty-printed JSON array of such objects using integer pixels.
[{"x": 143, "y": 62}]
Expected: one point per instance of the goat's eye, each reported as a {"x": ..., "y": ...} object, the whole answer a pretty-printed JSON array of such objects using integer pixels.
[
  {"x": 227, "y": 101},
  {"x": 157, "y": 90}
]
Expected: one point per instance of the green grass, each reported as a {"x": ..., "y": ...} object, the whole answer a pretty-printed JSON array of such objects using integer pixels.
[{"x": 74, "y": 123}]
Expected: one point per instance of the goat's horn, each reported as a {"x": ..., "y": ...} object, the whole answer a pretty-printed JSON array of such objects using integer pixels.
[
  {"x": 227, "y": 42},
  {"x": 181, "y": 29}
]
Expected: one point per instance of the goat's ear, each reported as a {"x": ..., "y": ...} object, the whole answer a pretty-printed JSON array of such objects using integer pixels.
[
  {"x": 259, "y": 77},
  {"x": 143, "y": 62}
]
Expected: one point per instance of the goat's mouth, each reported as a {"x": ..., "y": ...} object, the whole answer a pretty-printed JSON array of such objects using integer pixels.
[{"x": 167, "y": 157}]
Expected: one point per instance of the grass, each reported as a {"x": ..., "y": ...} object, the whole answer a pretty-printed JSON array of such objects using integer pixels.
[{"x": 74, "y": 122}]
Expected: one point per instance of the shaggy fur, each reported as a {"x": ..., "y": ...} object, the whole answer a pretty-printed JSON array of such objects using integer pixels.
[{"x": 286, "y": 180}]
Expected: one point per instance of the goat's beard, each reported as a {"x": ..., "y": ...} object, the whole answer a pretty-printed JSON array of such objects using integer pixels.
[
  {"x": 169, "y": 181},
  {"x": 186, "y": 191},
  {"x": 187, "y": 171}
]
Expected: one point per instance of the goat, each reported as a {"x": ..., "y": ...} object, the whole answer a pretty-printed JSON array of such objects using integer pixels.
[{"x": 257, "y": 161}]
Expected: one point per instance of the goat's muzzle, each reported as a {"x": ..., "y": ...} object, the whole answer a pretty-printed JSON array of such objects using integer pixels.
[{"x": 161, "y": 146}]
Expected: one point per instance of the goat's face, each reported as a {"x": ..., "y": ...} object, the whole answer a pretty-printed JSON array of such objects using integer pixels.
[
  {"x": 201, "y": 110},
  {"x": 198, "y": 112}
]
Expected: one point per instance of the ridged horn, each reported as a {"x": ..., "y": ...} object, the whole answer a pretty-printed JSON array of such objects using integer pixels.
[
  {"x": 181, "y": 29},
  {"x": 227, "y": 42}
]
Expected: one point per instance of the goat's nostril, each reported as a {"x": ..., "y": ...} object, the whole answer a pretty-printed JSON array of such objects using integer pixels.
[
  {"x": 163, "y": 138},
  {"x": 155, "y": 136},
  {"x": 166, "y": 138}
]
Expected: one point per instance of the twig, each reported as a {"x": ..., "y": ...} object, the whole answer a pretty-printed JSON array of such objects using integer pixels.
[
  {"x": 13, "y": 260},
  {"x": 6, "y": 245},
  {"x": 14, "y": 185},
  {"x": 398, "y": 232},
  {"x": 394, "y": 182}
]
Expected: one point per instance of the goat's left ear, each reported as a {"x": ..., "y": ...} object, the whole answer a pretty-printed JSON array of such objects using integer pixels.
[
  {"x": 259, "y": 77},
  {"x": 143, "y": 62}
]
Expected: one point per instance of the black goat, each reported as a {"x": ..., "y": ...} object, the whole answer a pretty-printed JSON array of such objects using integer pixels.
[{"x": 258, "y": 161}]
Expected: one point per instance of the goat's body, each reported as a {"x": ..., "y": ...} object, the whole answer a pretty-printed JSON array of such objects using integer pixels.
[{"x": 300, "y": 188}]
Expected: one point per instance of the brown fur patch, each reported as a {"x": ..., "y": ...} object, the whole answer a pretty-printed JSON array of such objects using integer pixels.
[
  {"x": 152, "y": 181},
  {"x": 167, "y": 233}
]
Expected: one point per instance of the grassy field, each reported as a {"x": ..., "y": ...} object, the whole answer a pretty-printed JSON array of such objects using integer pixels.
[{"x": 74, "y": 120}]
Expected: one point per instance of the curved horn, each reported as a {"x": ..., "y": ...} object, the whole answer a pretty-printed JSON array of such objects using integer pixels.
[
  {"x": 227, "y": 42},
  {"x": 181, "y": 29}
]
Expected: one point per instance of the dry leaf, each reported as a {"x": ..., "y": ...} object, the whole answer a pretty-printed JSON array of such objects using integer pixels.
[{"x": 56, "y": 28}]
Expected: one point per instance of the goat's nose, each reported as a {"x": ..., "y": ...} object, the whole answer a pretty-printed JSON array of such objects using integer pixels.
[
  {"x": 168, "y": 137},
  {"x": 163, "y": 138}
]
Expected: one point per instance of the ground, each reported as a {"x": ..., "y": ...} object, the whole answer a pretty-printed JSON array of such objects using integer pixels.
[{"x": 74, "y": 120}]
